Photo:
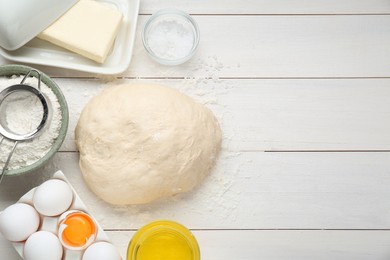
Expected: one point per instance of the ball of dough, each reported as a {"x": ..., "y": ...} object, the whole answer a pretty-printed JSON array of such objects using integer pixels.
[{"x": 139, "y": 143}]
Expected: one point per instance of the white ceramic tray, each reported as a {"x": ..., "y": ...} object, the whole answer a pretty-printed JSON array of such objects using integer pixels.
[
  {"x": 51, "y": 223},
  {"x": 44, "y": 53}
]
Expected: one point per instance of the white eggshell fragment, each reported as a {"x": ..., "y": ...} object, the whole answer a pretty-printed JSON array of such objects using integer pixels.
[
  {"x": 43, "y": 245},
  {"x": 101, "y": 251},
  {"x": 53, "y": 197},
  {"x": 18, "y": 222}
]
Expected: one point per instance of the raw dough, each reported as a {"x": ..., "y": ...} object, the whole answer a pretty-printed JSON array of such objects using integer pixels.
[{"x": 139, "y": 143}]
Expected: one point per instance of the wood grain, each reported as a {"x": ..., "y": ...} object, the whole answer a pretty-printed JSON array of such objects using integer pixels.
[
  {"x": 274, "y": 115},
  {"x": 274, "y": 47},
  {"x": 286, "y": 245},
  {"x": 280, "y": 245},
  {"x": 272, "y": 7},
  {"x": 301, "y": 89},
  {"x": 251, "y": 191}
]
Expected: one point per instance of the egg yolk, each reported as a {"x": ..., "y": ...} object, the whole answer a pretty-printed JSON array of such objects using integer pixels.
[{"x": 79, "y": 228}]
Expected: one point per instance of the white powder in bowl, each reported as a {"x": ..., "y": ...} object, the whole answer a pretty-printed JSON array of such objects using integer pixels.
[
  {"x": 23, "y": 117},
  {"x": 171, "y": 38}
]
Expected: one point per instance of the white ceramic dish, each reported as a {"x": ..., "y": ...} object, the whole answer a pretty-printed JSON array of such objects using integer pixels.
[
  {"x": 51, "y": 223},
  {"x": 22, "y": 20},
  {"x": 44, "y": 53}
]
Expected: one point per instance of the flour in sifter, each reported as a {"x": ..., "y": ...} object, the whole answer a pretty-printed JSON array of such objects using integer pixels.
[{"x": 22, "y": 117}]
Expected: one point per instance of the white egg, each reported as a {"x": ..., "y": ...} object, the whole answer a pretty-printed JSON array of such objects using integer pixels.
[
  {"x": 43, "y": 245},
  {"x": 18, "y": 222},
  {"x": 101, "y": 251},
  {"x": 53, "y": 197}
]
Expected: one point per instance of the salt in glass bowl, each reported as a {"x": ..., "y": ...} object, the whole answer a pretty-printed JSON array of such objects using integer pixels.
[
  {"x": 171, "y": 37},
  {"x": 11, "y": 70}
]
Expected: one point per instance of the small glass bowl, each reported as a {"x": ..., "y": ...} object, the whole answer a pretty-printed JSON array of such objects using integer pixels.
[
  {"x": 161, "y": 239},
  {"x": 170, "y": 36}
]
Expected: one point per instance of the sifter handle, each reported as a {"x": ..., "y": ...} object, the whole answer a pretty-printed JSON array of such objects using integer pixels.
[
  {"x": 8, "y": 159},
  {"x": 39, "y": 78}
]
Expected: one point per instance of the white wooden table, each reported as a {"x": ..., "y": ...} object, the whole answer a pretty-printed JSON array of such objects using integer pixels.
[{"x": 302, "y": 91}]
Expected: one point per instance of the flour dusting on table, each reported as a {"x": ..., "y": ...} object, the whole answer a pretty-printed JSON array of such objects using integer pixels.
[{"x": 220, "y": 189}]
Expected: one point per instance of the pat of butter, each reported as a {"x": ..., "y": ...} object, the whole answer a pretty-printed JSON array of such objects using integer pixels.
[{"x": 89, "y": 28}]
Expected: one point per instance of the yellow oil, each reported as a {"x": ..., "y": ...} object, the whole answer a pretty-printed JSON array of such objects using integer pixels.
[
  {"x": 164, "y": 246},
  {"x": 163, "y": 240}
]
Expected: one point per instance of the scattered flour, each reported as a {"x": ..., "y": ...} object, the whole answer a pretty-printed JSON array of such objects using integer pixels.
[
  {"x": 22, "y": 117},
  {"x": 218, "y": 198}
]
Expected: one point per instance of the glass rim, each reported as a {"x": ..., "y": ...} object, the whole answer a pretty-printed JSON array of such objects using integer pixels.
[{"x": 178, "y": 13}]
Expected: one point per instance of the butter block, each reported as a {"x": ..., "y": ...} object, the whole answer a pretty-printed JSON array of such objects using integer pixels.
[{"x": 89, "y": 28}]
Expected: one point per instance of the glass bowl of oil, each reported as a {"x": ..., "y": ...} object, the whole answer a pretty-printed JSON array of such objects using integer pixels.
[{"x": 163, "y": 239}]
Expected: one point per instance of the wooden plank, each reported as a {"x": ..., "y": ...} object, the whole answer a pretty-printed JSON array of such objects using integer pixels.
[
  {"x": 259, "y": 115},
  {"x": 282, "y": 46},
  {"x": 251, "y": 191},
  {"x": 308, "y": 114},
  {"x": 270, "y": 7},
  {"x": 275, "y": 46},
  {"x": 278, "y": 245}
]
